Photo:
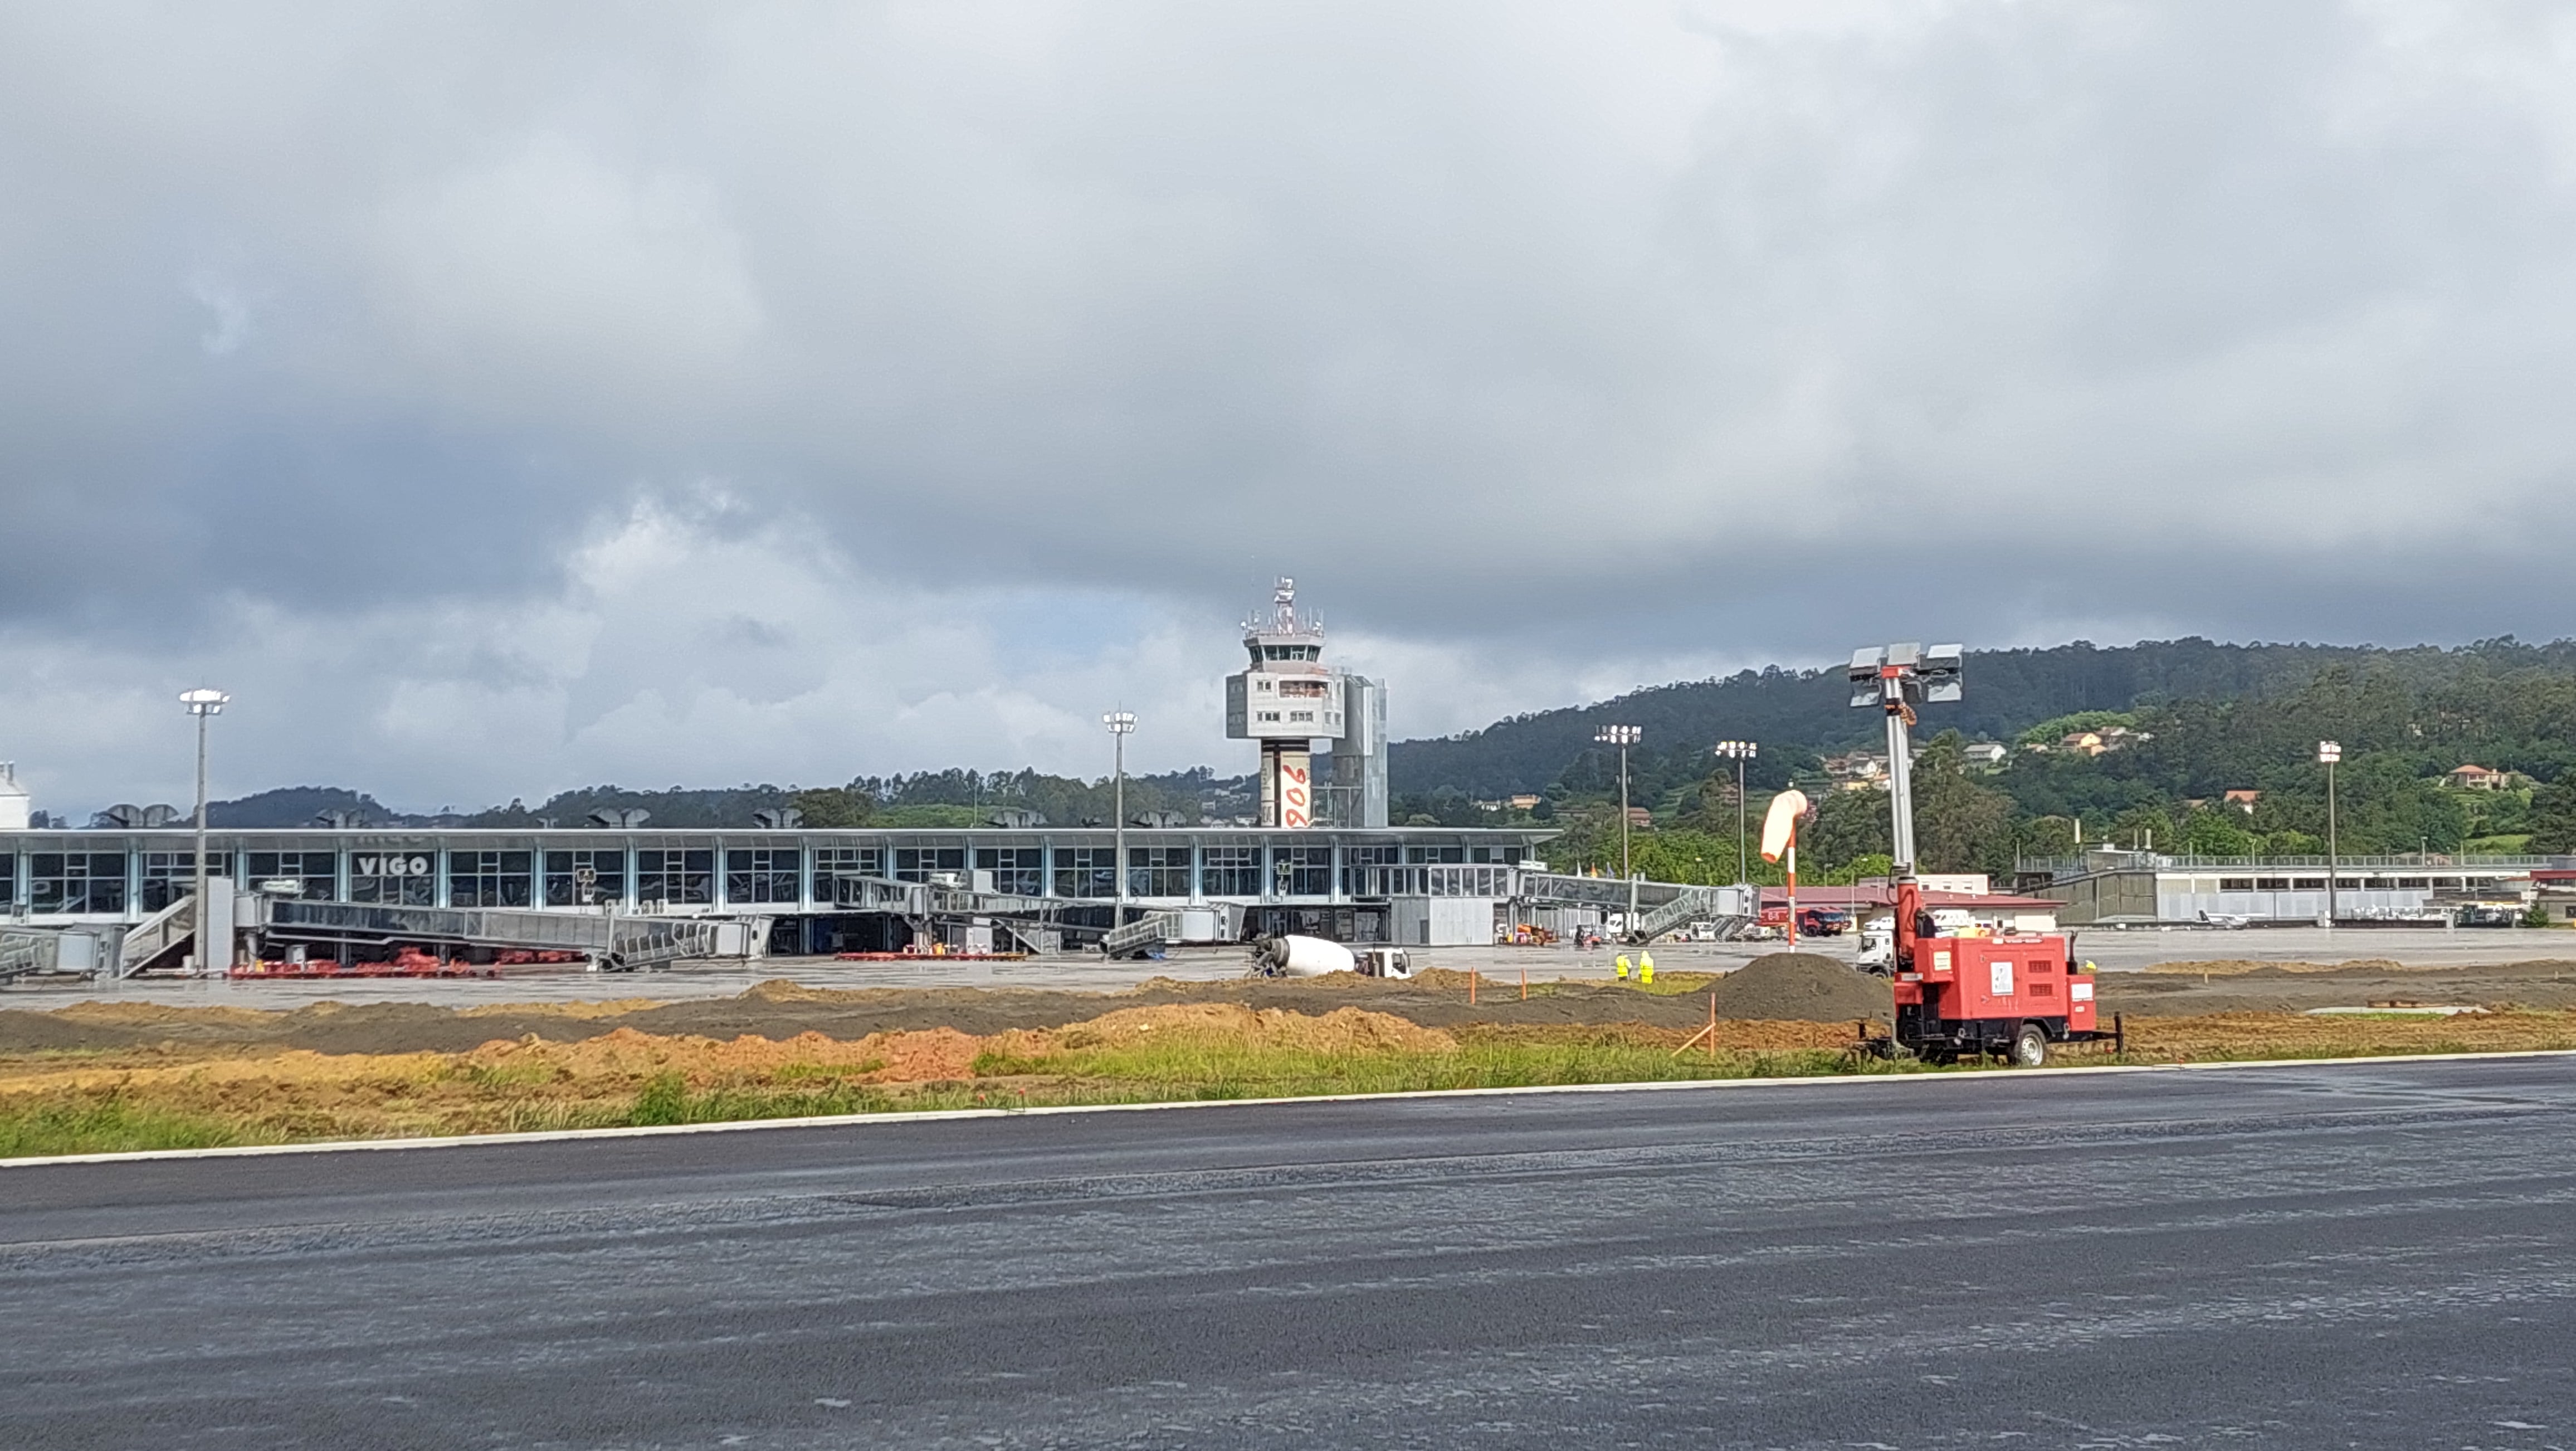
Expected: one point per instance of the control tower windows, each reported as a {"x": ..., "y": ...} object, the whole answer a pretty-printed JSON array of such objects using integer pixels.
[
  {"x": 1158, "y": 871},
  {"x": 1017, "y": 870},
  {"x": 394, "y": 878},
  {"x": 1086, "y": 871},
  {"x": 1231, "y": 871},
  {"x": 1302, "y": 871},
  {"x": 678, "y": 878},
  {"x": 563, "y": 882},
  {"x": 76, "y": 881},
  {"x": 762, "y": 875},
  {"x": 490, "y": 878},
  {"x": 170, "y": 875},
  {"x": 316, "y": 874}
]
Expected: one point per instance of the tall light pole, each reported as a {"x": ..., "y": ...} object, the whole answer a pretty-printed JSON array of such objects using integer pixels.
[
  {"x": 204, "y": 704},
  {"x": 1740, "y": 752},
  {"x": 2329, "y": 752},
  {"x": 1121, "y": 724},
  {"x": 1623, "y": 736}
]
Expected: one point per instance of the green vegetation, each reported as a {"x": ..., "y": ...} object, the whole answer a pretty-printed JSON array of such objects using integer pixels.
[
  {"x": 78, "y": 1123},
  {"x": 2405, "y": 719}
]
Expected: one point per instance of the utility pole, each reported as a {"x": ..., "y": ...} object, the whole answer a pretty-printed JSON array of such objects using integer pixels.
[
  {"x": 1623, "y": 736},
  {"x": 1741, "y": 752},
  {"x": 1121, "y": 723},
  {"x": 2329, "y": 752},
  {"x": 204, "y": 704}
]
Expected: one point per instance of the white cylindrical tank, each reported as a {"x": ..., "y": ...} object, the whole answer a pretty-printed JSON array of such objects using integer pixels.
[{"x": 1294, "y": 956}]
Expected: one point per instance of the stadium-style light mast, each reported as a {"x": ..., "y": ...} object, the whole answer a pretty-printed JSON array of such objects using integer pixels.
[
  {"x": 204, "y": 704},
  {"x": 1739, "y": 752},
  {"x": 2329, "y": 752},
  {"x": 1121, "y": 724},
  {"x": 1623, "y": 736}
]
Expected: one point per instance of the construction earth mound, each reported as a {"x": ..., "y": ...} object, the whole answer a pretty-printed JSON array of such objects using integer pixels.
[{"x": 1802, "y": 987}]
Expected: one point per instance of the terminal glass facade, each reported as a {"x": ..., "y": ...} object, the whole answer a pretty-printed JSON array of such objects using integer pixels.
[
  {"x": 1086, "y": 871},
  {"x": 394, "y": 878},
  {"x": 916, "y": 863},
  {"x": 1358, "y": 880},
  {"x": 762, "y": 875},
  {"x": 563, "y": 877},
  {"x": 1018, "y": 870},
  {"x": 8, "y": 881},
  {"x": 833, "y": 861},
  {"x": 1158, "y": 871},
  {"x": 679, "y": 878},
  {"x": 76, "y": 881},
  {"x": 490, "y": 878},
  {"x": 1302, "y": 871},
  {"x": 1230, "y": 871},
  {"x": 170, "y": 875},
  {"x": 1434, "y": 856},
  {"x": 316, "y": 874}
]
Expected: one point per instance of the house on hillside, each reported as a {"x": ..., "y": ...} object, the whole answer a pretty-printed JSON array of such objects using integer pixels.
[
  {"x": 2101, "y": 742},
  {"x": 1857, "y": 771},
  {"x": 2477, "y": 778},
  {"x": 2243, "y": 800},
  {"x": 1987, "y": 754}
]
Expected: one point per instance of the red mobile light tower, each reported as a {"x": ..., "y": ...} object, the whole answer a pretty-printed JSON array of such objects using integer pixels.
[{"x": 2009, "y": 992}]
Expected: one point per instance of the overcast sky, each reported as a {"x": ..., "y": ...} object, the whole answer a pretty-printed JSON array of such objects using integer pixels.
[{"x": 500, "y": 399}]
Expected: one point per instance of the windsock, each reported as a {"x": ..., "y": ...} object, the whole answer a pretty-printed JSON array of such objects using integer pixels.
[{"x": 1780, "y": 823}]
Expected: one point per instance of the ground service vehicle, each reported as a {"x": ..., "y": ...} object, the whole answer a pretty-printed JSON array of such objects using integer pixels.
[{"x": 2010, "y": 993}]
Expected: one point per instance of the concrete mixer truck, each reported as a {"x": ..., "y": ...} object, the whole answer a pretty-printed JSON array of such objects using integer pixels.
[{"x": 1294, "y": 956}]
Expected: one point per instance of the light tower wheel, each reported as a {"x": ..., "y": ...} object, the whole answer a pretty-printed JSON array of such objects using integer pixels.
[{"x": 2030, "y": 1046}]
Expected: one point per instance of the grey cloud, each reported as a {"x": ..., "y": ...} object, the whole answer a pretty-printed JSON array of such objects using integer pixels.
[{"x": 1547, "y": 336}]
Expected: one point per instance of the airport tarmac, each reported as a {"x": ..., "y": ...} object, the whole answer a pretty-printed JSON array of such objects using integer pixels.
[
  {"x": 2108, "y": 949},
  {"x": 2308, "y": 1255}
]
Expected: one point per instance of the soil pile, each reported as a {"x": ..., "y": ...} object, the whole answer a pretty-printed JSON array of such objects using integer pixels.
[
  {"x": 1805, "y": 988},
  {"x": 1343, "y": 1030}
]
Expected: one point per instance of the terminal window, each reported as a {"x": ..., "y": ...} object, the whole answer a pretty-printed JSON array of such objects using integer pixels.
[
  {"x": 1302, "y": 871},
  {"x": 1158, "y": 871},
  {"x": 316, "y": 874},
  {"x": 1359, "y": 877},
  {"x": 1435, "y": 856},
  {"x": 1017, "y": 870},
  {"x": 1231, "y": 871},
  {"x": 1086, "y": 871},
  {"x": 76, "y": 881},
  {"x": 684, "y": 878},
  {"x": 394, "y": 878},
  {"x": 762, "y": 874},
  {"x": 170, "y": 875},
  {"x": 490, "y": 878},
  {"x": 2311, "y": 884},
  {"x": 563, "y": 877},
  {"x": 8, "y": 881},
  {"x": 2236, "y": 884},
  {"x": 916, "y": 863},
  {"x": 835, "y": 861}
]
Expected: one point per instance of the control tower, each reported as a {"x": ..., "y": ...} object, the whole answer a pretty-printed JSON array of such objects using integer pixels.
[{"x": 1284, "y": 701}]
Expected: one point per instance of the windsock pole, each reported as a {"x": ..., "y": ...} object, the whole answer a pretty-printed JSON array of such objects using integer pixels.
[{"x": 1793, "y": 890}]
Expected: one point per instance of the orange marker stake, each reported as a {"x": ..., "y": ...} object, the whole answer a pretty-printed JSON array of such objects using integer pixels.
[
  {"x": 1471, "y": 987},
  {"x": 1524, "y": 984}
]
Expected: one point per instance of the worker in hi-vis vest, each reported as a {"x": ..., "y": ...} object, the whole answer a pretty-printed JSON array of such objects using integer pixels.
[
  {"x": 1645, "y": 967},
  {"x": 1622, "y": 967}
]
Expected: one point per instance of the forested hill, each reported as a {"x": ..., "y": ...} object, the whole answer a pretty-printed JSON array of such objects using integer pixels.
[{"x": 1807, "y": 711}]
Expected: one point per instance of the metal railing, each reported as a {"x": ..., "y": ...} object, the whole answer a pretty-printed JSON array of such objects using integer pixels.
[
  {"x": 23, "y": 954},
  {"x": 149, "y": 940}
]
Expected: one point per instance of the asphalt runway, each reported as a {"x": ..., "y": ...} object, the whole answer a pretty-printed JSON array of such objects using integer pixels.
[{"x": 2311, "y": 1256}]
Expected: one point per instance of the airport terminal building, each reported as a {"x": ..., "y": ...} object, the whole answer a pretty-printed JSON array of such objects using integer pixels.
[{"x": 1340, "y": 883}]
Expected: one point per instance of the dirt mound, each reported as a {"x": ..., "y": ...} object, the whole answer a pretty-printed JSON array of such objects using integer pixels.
[
  {"x": 1343, "y": 1030},
  {"x": 1802, "y": 987}
]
